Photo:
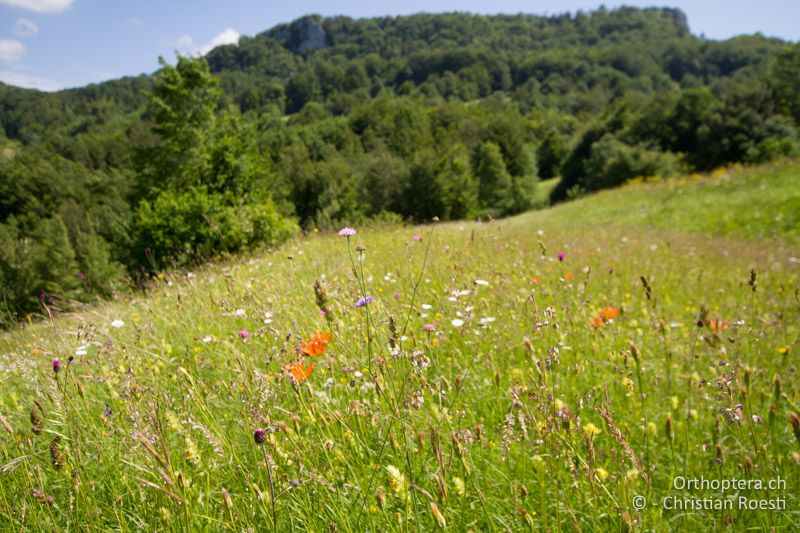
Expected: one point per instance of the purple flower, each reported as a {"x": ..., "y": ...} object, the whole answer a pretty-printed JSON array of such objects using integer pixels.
[
  {"x": 347, "y": 232},
  {"x": 260, "y": 436},
  {"x": 561, "y": 256},
  {"x": 416, "y": 238},
  {"x": 243, "y": 333},
  {"x": 361, "y": 302},
  {"x": 323, "y": 314},
  {"x": 108, "y": 412},
  {"x": 397, "y": 295},
  {"x": 56, "y": 365},
  {"x": 429, "y": 327},
  {"x": 80, "y": 275}
]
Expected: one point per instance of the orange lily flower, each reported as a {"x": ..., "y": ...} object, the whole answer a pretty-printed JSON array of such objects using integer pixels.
[
  {"x": 718, "y": 325},
  {"x": 316, "y": 344},
  {"x": 299, "y": 372},
  {"x": 609, "y": 313}
]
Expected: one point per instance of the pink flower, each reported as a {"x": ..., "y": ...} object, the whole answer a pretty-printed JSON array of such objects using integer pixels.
[
  {"x": 243, "y": 333},
  {"x": 429, "y": 327},
  {"x": 347, "y": 232},
  {"x": 416, "y": 238}
]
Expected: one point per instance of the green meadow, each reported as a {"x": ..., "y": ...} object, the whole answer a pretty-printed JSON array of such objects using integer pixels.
[{"x": 624, "y": 361}]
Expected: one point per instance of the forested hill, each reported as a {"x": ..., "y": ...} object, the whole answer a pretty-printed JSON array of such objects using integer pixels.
[{"x": 328, "y": 121}]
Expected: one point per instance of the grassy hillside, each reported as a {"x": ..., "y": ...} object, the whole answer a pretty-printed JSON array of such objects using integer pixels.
[
  {"x": 756, "y": 203},
  {"x": 331, "y": 121},
  {"x": 535, "y": 373}
]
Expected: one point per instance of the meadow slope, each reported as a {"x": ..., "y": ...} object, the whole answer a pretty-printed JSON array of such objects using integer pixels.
[{"x": 539, "y": 372}]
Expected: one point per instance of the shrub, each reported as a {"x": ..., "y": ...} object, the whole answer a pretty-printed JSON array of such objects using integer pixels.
[
  {"x": 612, "y": 163},
  {"x": 183, "y": 227}
]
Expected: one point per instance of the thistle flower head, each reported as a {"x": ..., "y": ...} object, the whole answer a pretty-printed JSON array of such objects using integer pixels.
[{"x": 260, "y": 436}]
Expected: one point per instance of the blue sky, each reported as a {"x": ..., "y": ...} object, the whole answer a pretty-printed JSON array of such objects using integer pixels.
[{"x": 53, "y": 44}]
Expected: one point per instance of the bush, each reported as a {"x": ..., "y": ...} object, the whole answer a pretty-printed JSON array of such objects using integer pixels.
[
  {"x": 44, "y": 267},
  {"x": 612, "y": 163},
  {"x": 184, "y": 227},
  {"x": 99, "y": 273}
]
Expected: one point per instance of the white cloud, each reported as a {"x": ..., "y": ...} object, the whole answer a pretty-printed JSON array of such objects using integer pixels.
[
  {"x": 229, "y": 36},
  {"x": 19, "y": 79},
  {"x": 40, "y": 6},
  {"x": 11, "y": 50},
  {"x": 185, "y": 43},
  {"x": 25, "y": 28}
]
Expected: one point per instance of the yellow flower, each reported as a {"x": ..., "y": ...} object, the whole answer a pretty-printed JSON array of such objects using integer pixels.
[
  {"x": 602, "y": 473},
  {"x": 591, "y": 430},
  {"x": 783, "y": 350},
  {"x": 628, "y": 384},
  {"x": 673, "y": 400},
  {"x": 458, "y": 485},
  {"x": 397, "y": 481}
]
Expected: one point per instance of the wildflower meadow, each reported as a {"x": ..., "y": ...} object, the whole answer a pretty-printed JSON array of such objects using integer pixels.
[{"x": 626, "y": 361}]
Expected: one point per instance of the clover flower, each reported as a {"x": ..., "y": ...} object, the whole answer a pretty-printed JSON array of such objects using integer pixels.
[{"x": 260, "y": 436}]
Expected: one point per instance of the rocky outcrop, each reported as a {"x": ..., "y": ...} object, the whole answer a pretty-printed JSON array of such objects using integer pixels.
[{"x": 302, "y": 35}]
